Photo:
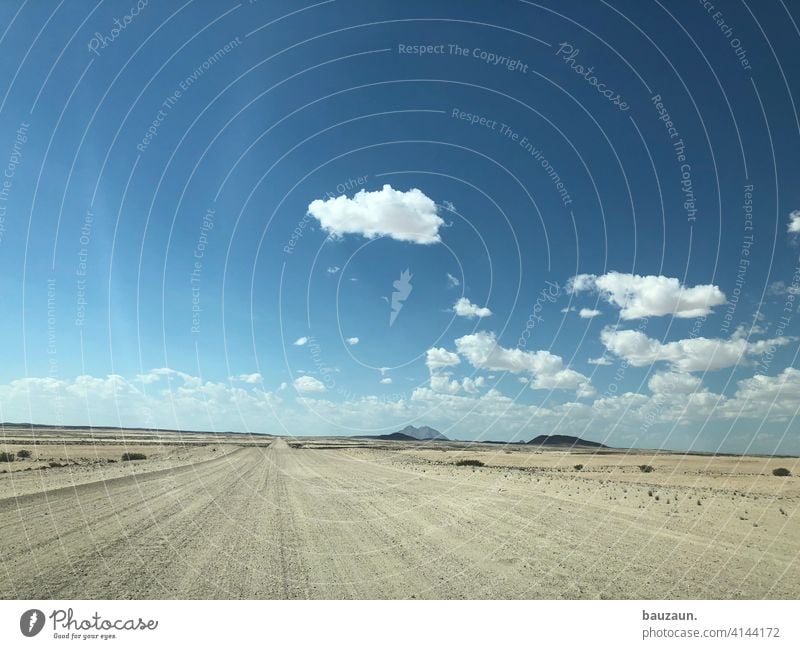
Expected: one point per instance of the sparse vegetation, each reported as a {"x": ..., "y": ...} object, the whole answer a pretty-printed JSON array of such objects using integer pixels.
[
  {"x": 470, "y": 463},
  {"x": 133, "y": 456},
  {"x": 646, "y": 468},
  {"x": 578, "y": 467},
  {"x": 781, "y": 472},
  {"x": 23, "y": 454},
  {"x": 6, "y": 457},
  {"x": 56, "y": 465},
  {"x": 650, "y": 492}
]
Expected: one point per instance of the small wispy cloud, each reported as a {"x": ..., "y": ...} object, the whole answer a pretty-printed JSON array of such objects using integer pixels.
[
  {"x": 452, "y": 281},
  {"x": 589, "y": 313},
  {"x": 247, "y": 378},
  {"x": 352, "y": 341},
  {"x": 333, "y": 269},
  {"x": 301, "y": 341}
]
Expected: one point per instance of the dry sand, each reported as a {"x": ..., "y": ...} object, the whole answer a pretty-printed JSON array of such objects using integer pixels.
[{"x": 358, "y": 519}]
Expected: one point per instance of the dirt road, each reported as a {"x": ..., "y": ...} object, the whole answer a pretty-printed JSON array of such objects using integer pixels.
[{"x": 280, "y": 522}]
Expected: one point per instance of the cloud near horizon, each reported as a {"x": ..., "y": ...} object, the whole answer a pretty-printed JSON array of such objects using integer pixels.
[{"x": 192, "y": 404}]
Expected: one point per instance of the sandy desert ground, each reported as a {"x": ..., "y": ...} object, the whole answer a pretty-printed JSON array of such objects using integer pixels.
[{"x": 233, "y": 517}]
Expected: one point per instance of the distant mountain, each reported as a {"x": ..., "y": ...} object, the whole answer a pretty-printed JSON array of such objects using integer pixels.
[
  {"x": 411, "y": 434},
  {"x": 564, "y": 440},
  {"x": 422, "y": 433},
  {"x": 392, "y": 436}
]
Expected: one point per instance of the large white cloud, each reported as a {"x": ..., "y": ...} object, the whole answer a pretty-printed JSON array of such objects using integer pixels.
[
  {"x": 466, "y": 309},
  {"x": 547, "y": 370},
  {"x": 687, "y": 355},
  {"x": 641, "y": 296},
  {"x": 404, "y": 216}
]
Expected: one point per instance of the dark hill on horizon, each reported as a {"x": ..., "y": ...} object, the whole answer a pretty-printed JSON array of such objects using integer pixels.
[
  {"x": 564, "y": 441},
  {"x": 411, "y": 433}
]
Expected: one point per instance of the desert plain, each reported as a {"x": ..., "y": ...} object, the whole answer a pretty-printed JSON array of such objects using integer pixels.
[{"x": 258, "y": 517}]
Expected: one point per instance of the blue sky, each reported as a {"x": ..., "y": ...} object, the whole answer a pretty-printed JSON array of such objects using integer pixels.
[{"x": 566, "y": 190}]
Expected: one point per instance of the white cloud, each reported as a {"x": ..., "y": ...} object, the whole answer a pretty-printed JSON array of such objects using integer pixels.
[
  {"x": 687, "y": 355},
  {"x": 333, "y": 270},
  {"x": 639, "y": 296},
  {"x": 438, "y": 357},
  {"x": 794, "y": 222},
  {"x": 463, "y": 307},
  {"x": 308, "y": 384},
  {"x": 602, "y": 360},
  {"x": 385, "y": 380},
  {"x": 301, "y": 341},
  {"x": 761, "y": 396},
  {"x": 405, "y": 216},
  {"x": 471, "y": 386},
  {"x": 443, "y": 383},
  {"x": 352, "y": 341},
  {"x": 589, "y": 313},
  {"x": 548, "y": 370},
  {"x": 247, "y": 378},
  {"x": 452, "y": 281},
  {"x": 567, "y": 309},
  {"x": 283, "y": 385},
  {"x": 674, "y": 383}
]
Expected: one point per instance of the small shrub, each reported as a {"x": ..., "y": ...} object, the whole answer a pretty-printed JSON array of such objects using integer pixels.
[
  {"x": 657, "y": 498},
  {"x": 133, "y": 456},
  {"x": 650, "y": 492},
  {"x": 6, "y": 457},
  {"x": 112, "y": 461},
  {"x": 23, "y": 454},
  {"x": 646, "y": 468},
  {"x": 470, "y": 463},
  {"x": 56, "y": 465},
  {"x": 578, "y": 467},
  {"x": 781, "y": 472}
]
